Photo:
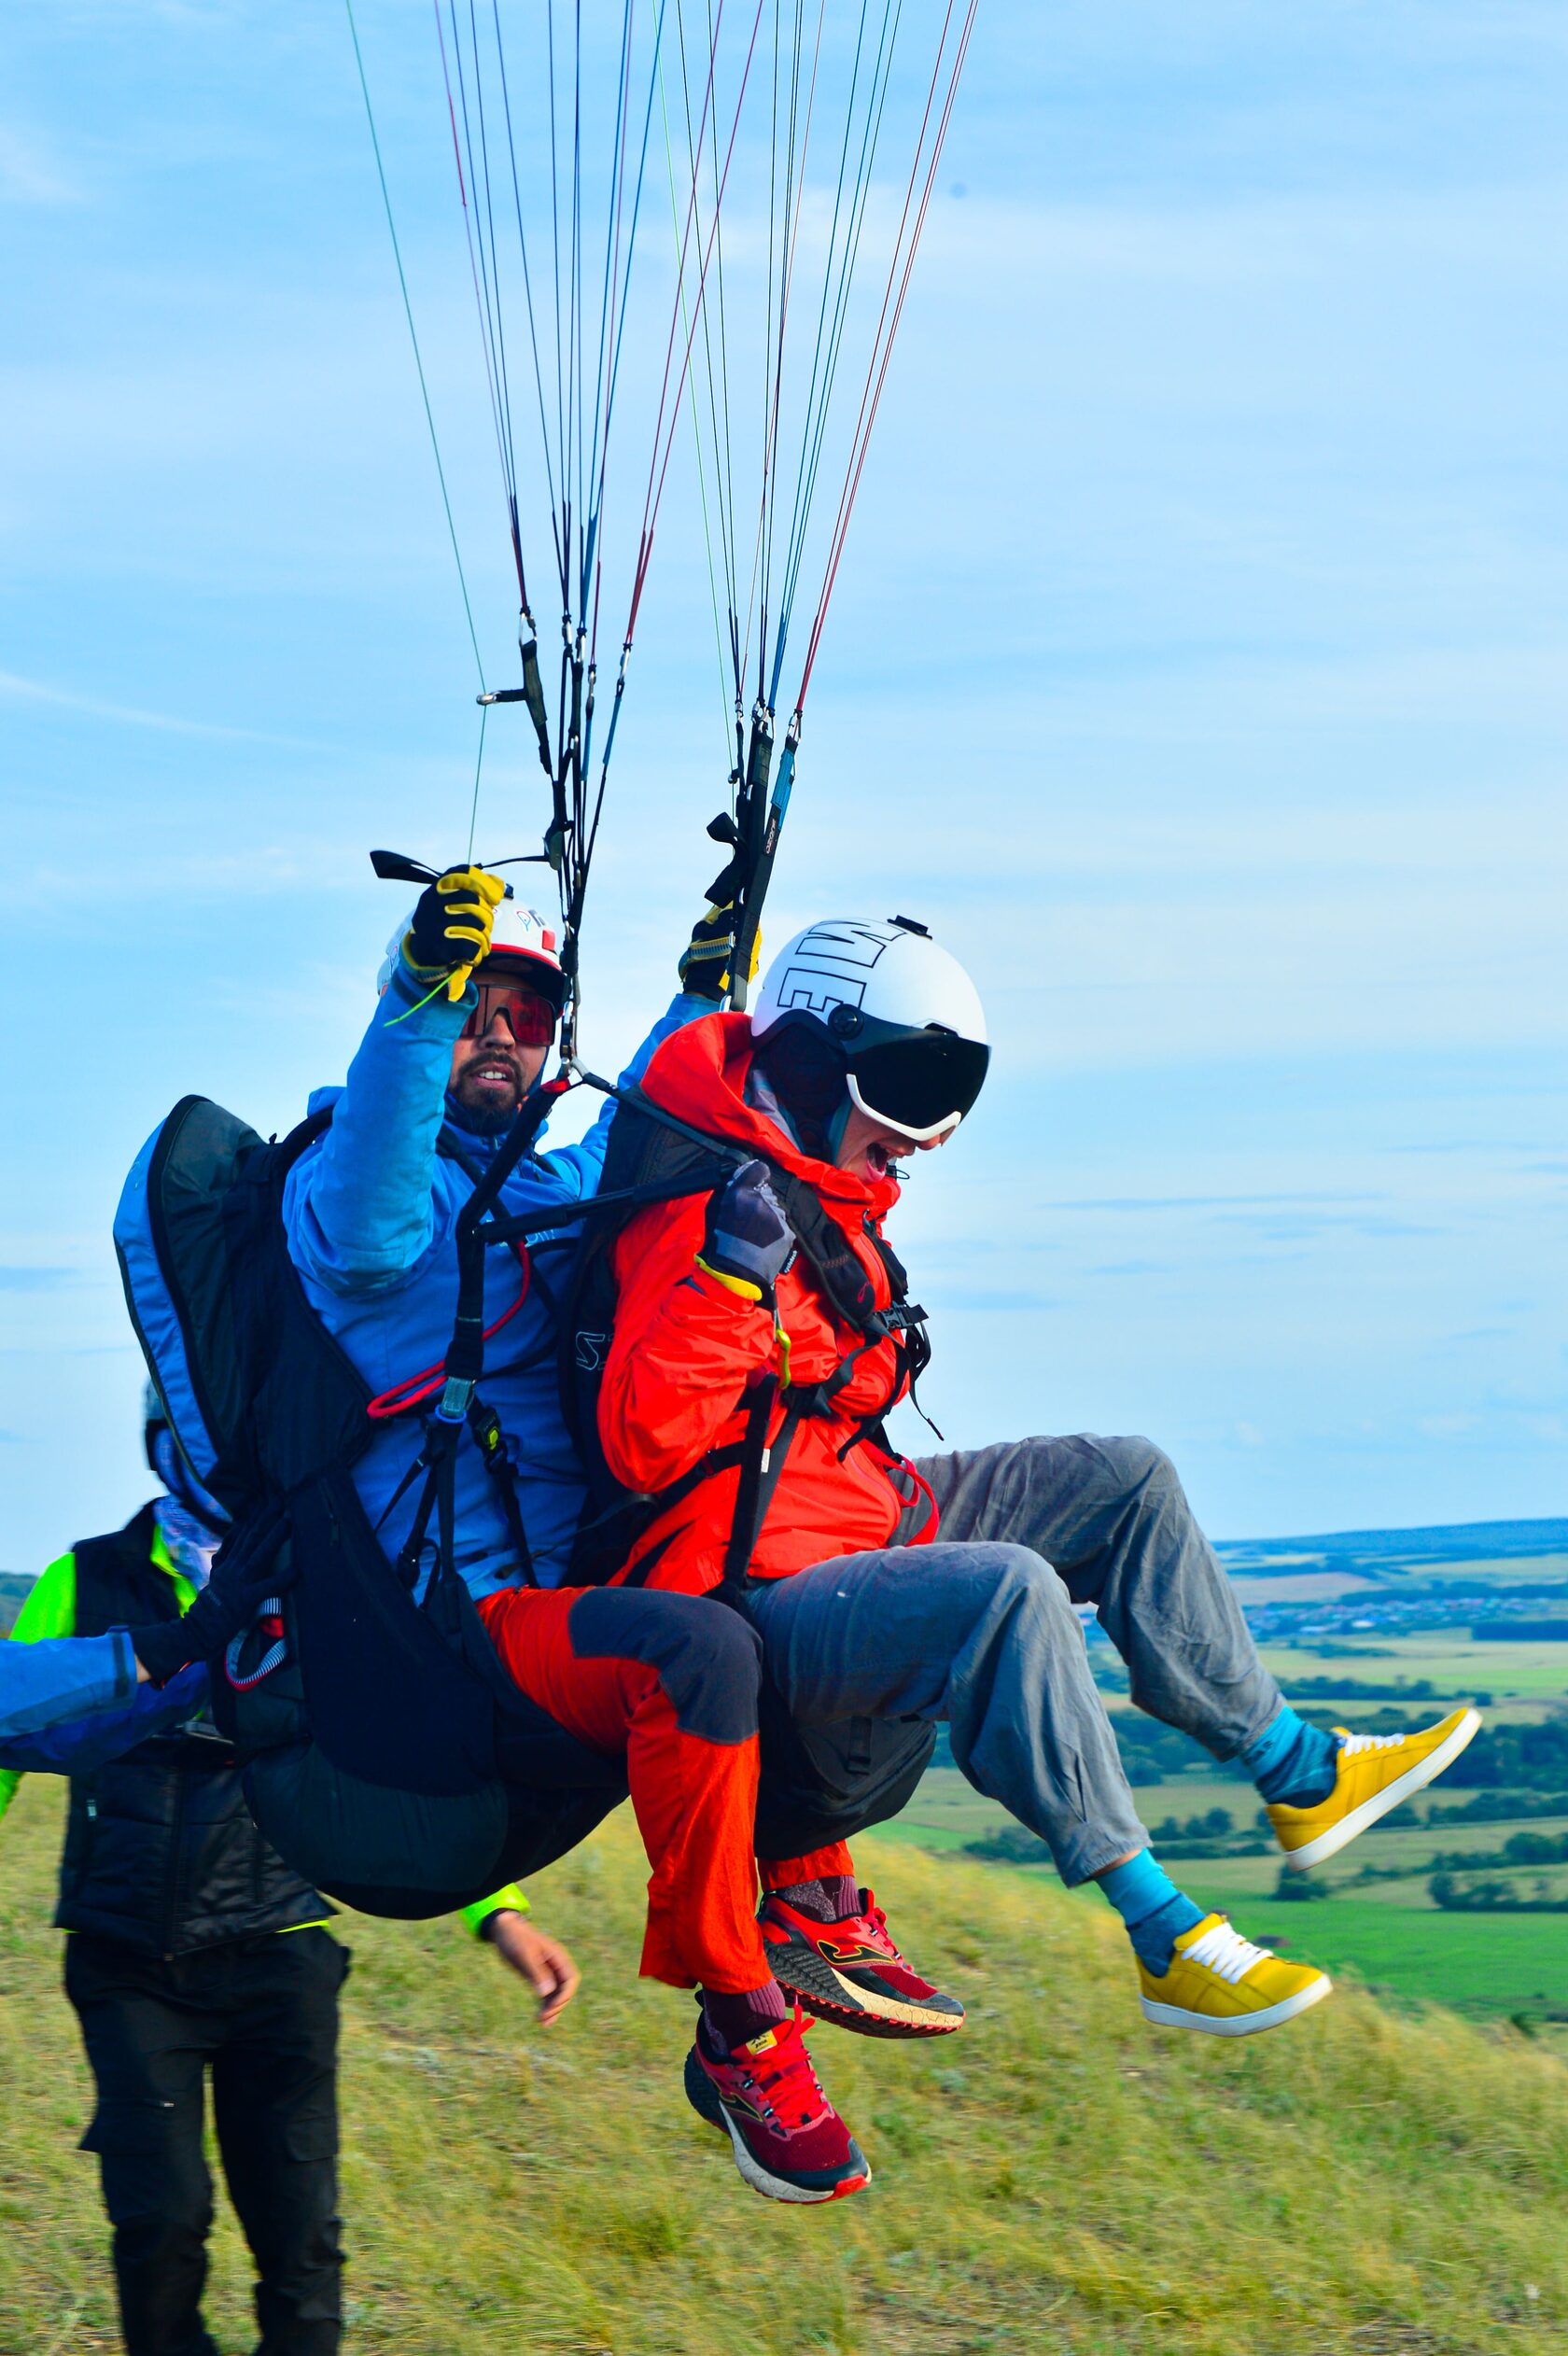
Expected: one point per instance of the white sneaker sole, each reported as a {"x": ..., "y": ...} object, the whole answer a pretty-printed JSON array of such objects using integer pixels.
[
  {"x": 776, "y": 2187},
  {"x": 1413, "y": 1780},
  {"x": 1240, "y": 2024}
]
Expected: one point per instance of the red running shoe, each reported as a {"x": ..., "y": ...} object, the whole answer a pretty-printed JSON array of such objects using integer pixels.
[
  {"x": 790, "y": 2143},
  {"x": 852, "y": 1974}
]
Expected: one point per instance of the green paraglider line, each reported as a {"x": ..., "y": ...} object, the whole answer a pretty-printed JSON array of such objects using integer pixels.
[{"x": 479, "y": 765}]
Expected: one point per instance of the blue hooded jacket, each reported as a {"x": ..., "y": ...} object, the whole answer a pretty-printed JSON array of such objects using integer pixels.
[
  {"x": 371, "y": 1213},
  {"x": 72, "y": 1703},
  {"x": 40, "y": 1684}
]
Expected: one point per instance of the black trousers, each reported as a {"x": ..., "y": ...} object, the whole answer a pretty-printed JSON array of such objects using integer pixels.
[{"x": 262, "y": 2015}]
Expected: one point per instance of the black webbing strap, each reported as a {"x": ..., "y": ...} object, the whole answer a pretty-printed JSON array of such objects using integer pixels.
[
  {"x": 437, "y": 1460},
  {"x": 465, "y": 1355},
  {"x": 485, "y": 1425},
  {"x": 761, "y": 1466},
  {"x": 625, "y": 1523},
  {"x": 746, "y": 1520},
  {"x": 441, "y": 1441}
]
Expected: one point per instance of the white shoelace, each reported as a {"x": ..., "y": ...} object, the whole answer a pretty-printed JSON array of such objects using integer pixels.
[
  {"x": 1224, "y": 1951},
  {"x": 1351, "y": 1742}
]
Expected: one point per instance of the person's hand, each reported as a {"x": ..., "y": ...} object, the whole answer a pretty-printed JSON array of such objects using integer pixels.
[
  {"x": 244, "y": 1576},
  {"x": 747, "y": 1235},
  {"x": 705, "y": 961},
  {"x": 451, "y": 928},
  {"x": 540, "y": 1960}
]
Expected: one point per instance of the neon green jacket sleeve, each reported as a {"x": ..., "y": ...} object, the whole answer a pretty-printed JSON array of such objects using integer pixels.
[
  {"x": 477, "y": 1915},
  {"x": 50, "y": 1610}
]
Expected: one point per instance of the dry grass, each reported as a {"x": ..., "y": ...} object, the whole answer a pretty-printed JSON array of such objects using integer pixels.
[{"x": 1059, "y": 2177}]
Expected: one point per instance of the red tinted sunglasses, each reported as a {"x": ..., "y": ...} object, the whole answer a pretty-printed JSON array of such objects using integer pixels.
[{"x": 530, "y": 1017}]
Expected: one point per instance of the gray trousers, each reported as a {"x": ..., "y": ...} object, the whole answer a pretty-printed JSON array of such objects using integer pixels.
[{"x": 979, "y": 1629}]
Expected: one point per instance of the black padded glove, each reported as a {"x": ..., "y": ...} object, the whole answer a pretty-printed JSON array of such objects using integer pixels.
[
  {"x": 705, "y": 961},
  {"x": 245, "y": 1573},
  {"x": 748, "y": 1235},
  {"x": 451, "y": 928}
]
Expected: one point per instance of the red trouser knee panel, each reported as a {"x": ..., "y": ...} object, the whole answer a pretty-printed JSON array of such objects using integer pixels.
[
  {"x": 673, "y": 1691},
  {"x": 587, "y": 1654}
]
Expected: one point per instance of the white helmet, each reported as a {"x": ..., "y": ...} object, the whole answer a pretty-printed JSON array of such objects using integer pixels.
[
  {"x": 902, "y": 1012},
  {"x": 515, "y": 931}
]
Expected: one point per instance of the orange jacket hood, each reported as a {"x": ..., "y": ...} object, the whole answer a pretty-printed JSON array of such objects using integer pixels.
[{"x": 700, "y": 1075}]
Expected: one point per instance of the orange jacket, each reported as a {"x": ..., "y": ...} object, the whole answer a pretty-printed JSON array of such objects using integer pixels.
[{"x": 685, "y": 1345}]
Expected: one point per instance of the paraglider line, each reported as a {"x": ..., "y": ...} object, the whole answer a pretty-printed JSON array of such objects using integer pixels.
[
  {"x": 870, "y": 399},
  {"x": 818, "y": 406},
  {"x": 413, "y": 339},
  {"x": 528, "y": 277},
  {"x": 479, "y": 765}
]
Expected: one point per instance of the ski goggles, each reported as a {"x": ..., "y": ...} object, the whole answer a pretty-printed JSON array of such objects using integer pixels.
[
  {"x": 920, "y": 1083},
  {"x": 530, "y": 1017}
]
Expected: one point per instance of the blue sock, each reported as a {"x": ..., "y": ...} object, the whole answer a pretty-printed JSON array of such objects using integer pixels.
[
  {"x": 1293, "y": 1763},
  {"x": 1155, "y": 1910}
]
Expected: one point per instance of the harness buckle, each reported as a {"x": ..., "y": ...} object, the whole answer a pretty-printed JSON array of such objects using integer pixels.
[
  {"x": 897, "y": 1318},
  {"x": 452, "y": 1405}
]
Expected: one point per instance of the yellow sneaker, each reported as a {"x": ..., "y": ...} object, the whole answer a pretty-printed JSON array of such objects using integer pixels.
[
  {"x": 1376, "y": 1772},
  {"x": 1220, "y": 1982}
]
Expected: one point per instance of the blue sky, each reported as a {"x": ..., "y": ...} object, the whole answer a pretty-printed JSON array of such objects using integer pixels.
[{"x": 1196, "y": 670}]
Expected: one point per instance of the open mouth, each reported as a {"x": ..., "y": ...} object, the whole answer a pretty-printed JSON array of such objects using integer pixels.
[
  {"x": 493, "y": 1076},
  {"x": 880, "y": 1160}
]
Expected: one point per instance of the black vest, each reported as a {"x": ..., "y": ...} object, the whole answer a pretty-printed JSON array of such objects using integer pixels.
[{"x": 161, "y": 1852}]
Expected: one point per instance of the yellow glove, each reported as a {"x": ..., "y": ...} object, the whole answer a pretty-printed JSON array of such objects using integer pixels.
[{"x": 451, "y": 929}]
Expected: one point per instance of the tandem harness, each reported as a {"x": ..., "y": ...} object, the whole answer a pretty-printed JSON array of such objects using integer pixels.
[
  {"x": 388, "y": 1757},
  {"x": 652, "y": 1156}
]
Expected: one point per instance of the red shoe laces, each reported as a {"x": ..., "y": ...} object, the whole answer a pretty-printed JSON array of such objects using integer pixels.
[
  {"x": 784, "y": 2064},
  {"x": 876, "y": 1921}
]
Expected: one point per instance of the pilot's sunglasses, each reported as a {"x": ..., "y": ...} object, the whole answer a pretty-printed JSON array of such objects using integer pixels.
[{"x": 530, "y": 1017}]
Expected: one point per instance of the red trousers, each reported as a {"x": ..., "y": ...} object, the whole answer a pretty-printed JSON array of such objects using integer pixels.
[
  {"x": 670, "y": 1682},
  {"x": 778, "y": 1872}
]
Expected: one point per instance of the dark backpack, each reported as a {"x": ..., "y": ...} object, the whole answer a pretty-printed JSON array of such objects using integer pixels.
[{"x": 389, "y": 1758}]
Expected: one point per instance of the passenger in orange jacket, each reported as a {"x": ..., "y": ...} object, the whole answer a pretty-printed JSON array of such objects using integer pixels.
[
  {"x": 687, "y": 1338},
  {"x": 761, "y": 1336}
]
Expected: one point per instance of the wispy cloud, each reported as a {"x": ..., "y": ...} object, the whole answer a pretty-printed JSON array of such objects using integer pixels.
[
  {"x": 1203, "y": 1202},
  {"x": 29, "y": 173},
  {"x": 33, "y": 691}
]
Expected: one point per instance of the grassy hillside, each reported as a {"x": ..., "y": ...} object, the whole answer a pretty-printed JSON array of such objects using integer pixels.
[{"x": 1057, "y": 2178}]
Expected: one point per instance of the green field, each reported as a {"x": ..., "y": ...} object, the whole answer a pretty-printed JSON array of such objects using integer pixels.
[
  {"x": 1059, "y": 2180},
  {"x": 1453, "y": 1662},
  {"x": 1390, "y": 1935},
  {"x": 1387, "y": 1935}
]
